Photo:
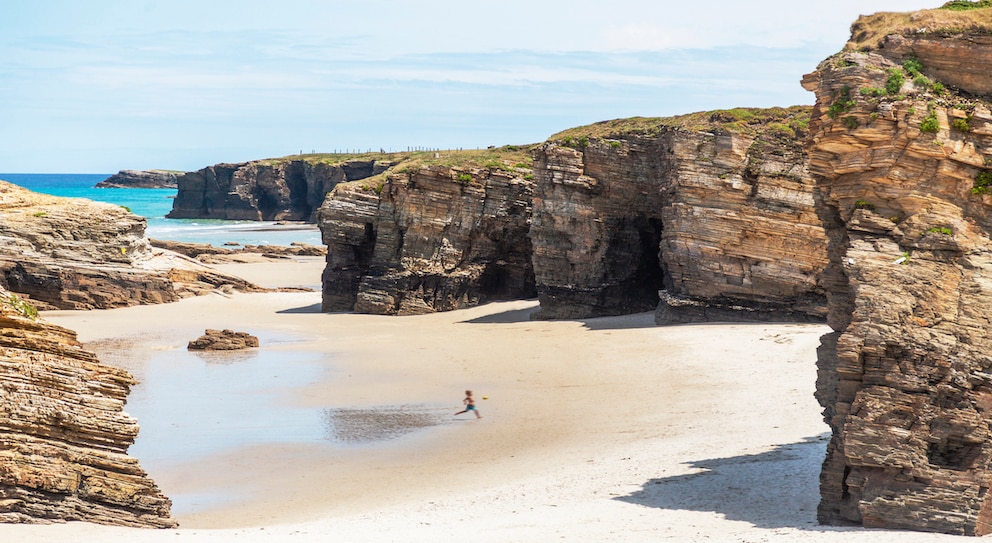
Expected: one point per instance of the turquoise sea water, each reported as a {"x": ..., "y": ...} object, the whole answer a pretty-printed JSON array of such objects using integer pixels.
[{"x": 154, "y": 204}]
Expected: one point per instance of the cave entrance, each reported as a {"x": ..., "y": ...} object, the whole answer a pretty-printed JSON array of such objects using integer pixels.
[
  {"x": 299, "y": 191},
  {"x": 636, "y": 270},
  {"x": 650, "y": 276}
]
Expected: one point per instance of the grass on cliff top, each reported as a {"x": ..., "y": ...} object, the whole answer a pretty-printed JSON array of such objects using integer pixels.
[
  {"x": 505, "y": 157},
  {"x": 956, "y": 17},
  {"x": 791, "y": 121}
]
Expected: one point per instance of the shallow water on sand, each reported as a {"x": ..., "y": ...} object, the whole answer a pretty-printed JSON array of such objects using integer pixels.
[{"x": 195, "y": 406}]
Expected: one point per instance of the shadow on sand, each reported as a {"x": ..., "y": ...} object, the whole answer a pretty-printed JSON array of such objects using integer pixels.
[
  {"x": 774, "y": 489},
  {"x": 637, "y": 320},
  {"x": 505, "y": 317},
  {"x": 315, "y": 308}
]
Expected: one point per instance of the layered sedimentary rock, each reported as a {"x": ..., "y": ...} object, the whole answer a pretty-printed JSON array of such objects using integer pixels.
[
  {"x": 715, "y": 210},
  {"x": 266, "y": 190},
  {"x": 906, "y": 378},
  {"x": 222, "y": 340},
  {"x": 63, "y": 432},
  {"x": 432, "y": 238},
  {"x": 71, "y": 253},
  {"x": 141, "y": 179}
]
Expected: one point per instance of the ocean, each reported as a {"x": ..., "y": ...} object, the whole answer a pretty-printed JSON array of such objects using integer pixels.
[{"x": 154, "y": 204}]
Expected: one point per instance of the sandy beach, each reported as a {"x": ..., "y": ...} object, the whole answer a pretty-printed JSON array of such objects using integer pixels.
[{"x": 608, "y": 429}]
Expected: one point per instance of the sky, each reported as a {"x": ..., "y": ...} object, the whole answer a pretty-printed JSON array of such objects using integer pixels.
[{"x": 97, "y": 86}]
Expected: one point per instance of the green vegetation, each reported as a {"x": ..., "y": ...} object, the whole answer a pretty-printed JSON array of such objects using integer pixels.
[
  {"x": 22, "y": 306},
  {"x": 930, "y": 123},
  {"x": 39, "y": 214},
  {"x": 125, "y": 208},
  {"x": 939, "y": 230},
  {"x": 964, "y": 5},
  {"x": 792, "y": 122},
  {"x": 374, "y": 183},
  {"x": 983, "y": 183},
  {"x": 873, "y": 92},
  {"x": 842, "y": 104},
  {"x": 961, "y": 125},
  {"x": 913, "y": 66},
  {"x": 464, "y": 178},
  {"x": 864, "y": 204},
  {"x": 411, "y": 160},
  {"x": 850, "y": 122},
  {"x": 895, "y": 81}
]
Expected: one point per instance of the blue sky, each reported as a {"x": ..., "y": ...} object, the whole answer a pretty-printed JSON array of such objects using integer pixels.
[{"x": 103, "y": 85}]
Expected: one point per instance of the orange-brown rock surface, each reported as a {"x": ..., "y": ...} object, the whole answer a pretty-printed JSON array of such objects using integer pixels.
[
  {"x": 71, "y": 253},
  {"x": 906, "y": 378},
  {"x": 431, "y": 238},
  {"x": 715, "y": 210},
  {"x": 63, "y": 432}
]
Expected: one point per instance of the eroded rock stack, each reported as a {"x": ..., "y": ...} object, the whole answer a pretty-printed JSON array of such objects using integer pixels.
[
  {"x": 713, "y": 209},
  {"x": 433, "y": 238},
  {"x": 141, "y": 179},
  {"x": 901, "y": 151},
  {"x": 63, "y": 432},
  {"x": 71, "y": 253},
  {"x": 265, "y": 190}
]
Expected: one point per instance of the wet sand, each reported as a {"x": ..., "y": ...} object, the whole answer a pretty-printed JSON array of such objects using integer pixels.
[{"x": 608, "y": 429}]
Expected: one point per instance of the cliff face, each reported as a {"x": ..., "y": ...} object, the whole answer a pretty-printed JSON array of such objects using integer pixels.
[
  {"x": 431, "y": 239},
  {"x": 136, "y": 179},
  {"x": 71, "y": 253},
  {"x": 905, "y": 380},
  {"x": 264, "y": 190},
  {"x": 721, "y": 220},
  {"x": 63, "y": 432}
]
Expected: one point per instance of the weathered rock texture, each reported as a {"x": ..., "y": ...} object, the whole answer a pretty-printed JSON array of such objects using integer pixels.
[
  {"x": 222, "y": 340},
  {"x": 70, "y": 253},
  {"x": 63, "y": 432},
  {"x": 267, "y": 190},
  {"x": 433, "y": 239},
  {"x": 906, "y": 379},
  {"x": 715, "y": 210},
  {"x": 138, "y": 179}
]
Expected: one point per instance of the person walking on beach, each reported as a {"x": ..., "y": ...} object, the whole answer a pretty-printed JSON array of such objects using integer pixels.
[{"x": 469, "y": 402}]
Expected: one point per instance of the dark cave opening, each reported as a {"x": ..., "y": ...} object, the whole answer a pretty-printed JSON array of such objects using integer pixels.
[{"x": 636, "y": 273}]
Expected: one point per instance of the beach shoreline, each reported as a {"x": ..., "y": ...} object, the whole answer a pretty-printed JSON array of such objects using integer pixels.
[{"x": 606, "y": 429}]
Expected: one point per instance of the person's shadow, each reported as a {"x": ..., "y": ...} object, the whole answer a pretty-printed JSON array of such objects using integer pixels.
[{"x": 774, "y": 489}]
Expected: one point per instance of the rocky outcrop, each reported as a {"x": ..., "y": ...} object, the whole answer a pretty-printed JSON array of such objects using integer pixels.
[
  {"x": 70, "y": 253},
  {"x": 903, "y": 168},
  {"x": 222, "y": 340},
  {"x": 199, "y": 250},
  {"x": 63, "y": 432},
  {"x": 138, "y": 179},
  {"x": 714, "y": 210},
  {"x": 433, "y": 238},
  {"x": 265, "y": 190}
]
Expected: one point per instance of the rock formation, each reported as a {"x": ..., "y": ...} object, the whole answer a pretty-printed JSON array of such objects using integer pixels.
[
  {"x": 137, "y": 179},
  {"x": 901, "y": 150},
  {"x": 70, "y": 253},
  {"x": 713, "y": 209},
  {"x": 222, "y": 340},
  {"x": 63, "y": 432},
  {"x": 201, "y": 250},
  {"x": 431, "y": 238},
  {"x": 266, "y": 190}
]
